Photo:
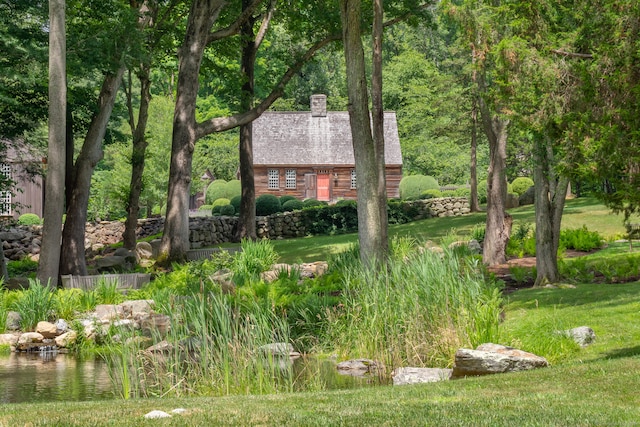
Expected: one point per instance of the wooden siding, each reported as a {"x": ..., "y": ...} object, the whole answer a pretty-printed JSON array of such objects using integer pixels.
[{"x": 339, "y": 180}]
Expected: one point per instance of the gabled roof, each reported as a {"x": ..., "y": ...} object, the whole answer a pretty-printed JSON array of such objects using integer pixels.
[{"x": 301, "y": 138}]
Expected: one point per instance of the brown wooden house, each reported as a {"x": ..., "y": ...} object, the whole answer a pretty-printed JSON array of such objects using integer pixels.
[
  {"x": 309, "y": 155},
  {"x": 21, "y": 165}
]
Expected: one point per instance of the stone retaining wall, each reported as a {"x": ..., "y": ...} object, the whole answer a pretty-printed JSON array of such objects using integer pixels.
[{"x": 20, "y": 241}]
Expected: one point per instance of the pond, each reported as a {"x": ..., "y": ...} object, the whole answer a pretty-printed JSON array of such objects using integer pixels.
[{"x": 52, "y": 376}]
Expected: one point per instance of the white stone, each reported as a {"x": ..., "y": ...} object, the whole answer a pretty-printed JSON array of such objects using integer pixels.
[
  {"x": 493, "y": 359},
  {"x": 179, "y": 411},
  {"x": 404, "y": 376},
  {"x": 30, "y": 337},
  {"x": 67, "y": 339},
  {"x": 156, "y": 415},
  {"x": 11, "y": 339}
]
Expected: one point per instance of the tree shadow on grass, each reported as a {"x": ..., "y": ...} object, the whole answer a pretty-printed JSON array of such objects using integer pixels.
[{"x": 623, "y": 352}]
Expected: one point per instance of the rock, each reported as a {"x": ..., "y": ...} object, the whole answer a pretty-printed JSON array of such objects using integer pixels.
[
  {"x": 156, "y": 415},
  {"x": 30, "y": 338},
  {"x": 512, "y": 201},
  {"x": 163, "y": 346},
  {"x": 224, "y": 278},
  {"x": 359, "y": 367},
  {"x": 156, "y": 324},
  {"x": 404, "y": 376},
  {"x": 134, "y": 308},
  {"x": 155, "y": 247},
  {"x": 179, "y": 411},
  {"x": 13, "y": 321},
  {"x": 109, "y": 312},
  {"x": 111, "y": 263},
  {"x": 62, "y": 326},
  {"x": 47, "y": 330},
  {"x": 144, "y": 250},
  {"x": 124, "y": 253},
  {"x": 493, "y": 359},
  {"x": 314, "y": 269},
  {"x": 10, "y": 339},
  {"x": 582, "y": 335},
  {"x": 67, "y": 339}
]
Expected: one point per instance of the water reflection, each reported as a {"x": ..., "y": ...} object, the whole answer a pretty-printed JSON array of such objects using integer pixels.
[{"x": 41, "y": 377}]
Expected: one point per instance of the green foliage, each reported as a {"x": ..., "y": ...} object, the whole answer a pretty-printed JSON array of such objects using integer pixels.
[
  {"x": 220, "y": 202},
  {"x": 205, "y": 208},
  {"x": 310, "y": 203},
  {"x": 221, "y": 189},
  {"x": 227, "y": 210},
  {"x": 267, "y": 204},
  {"x": 580, "y": 239},
  {"x": 331, "y": 220},
  {"x": 412, "y": 186},
  {"x": 215, "y": 210},
  {"x": 478, "y": 232},
  {"x": 432, "y": 193},
  {"x": 284, "y": 199},
  {"x": 35, "y": 304},
  {"x": 399, "y": 212},
  {"x": 253, "y": 259},
  {"x": 235, "y": 202},
  {"x": 522, "y": 241},
  {"x": 107, "y": 292},
  {"x": 23, "y": 267},
  {"x": 29, "y": 219},
  {"x": 292, "y": 205},
  {"x": 68, "y": 303},
  {"x": 520, "y": 185}
]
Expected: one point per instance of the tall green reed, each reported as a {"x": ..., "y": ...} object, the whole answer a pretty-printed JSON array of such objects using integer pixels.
[
  {"x": 35, "y": 304},
  {"x": 418, "y": 310}
]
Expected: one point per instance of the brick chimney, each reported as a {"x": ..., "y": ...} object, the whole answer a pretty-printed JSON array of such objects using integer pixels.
[{"x": 318, "y": 105}]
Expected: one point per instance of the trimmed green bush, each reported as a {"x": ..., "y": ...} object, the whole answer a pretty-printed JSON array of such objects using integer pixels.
[
  {"x": 284, "y": 199},
  {"x": 291, "y": 205},
  {"x": 221, "y": 202},
  {"x": 221, "y": 189},
  {"x": 235, "y": 202},
  {"x": 412, "y": 186},
  {"x": 205, "y": 208},
  {"x": 215, "y": 210},
  {"x": 309, "y": 203},
  {"x": 433, "y": 193},
  {"x": 520, "y": 185},
  {"x": 227, "y": 210},
  {"x": 29, "y": 219},
  {"x": 267, "y": 204}
]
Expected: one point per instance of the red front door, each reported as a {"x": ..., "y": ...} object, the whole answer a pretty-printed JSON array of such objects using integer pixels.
[{"x": 323, "y": 187}]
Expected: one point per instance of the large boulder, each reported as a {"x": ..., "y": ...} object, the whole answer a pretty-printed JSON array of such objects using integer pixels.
[
  {"x": 47, "y": 329},
  {"x": 67, "y": 339},
  {"x": 137, "y": 308},
  {"x": 528, "y": 197},
  {"x": 10, "y": 339},
  {"x": 494, "y": 359},
  {"x": 582, "y": 335},
  {"x": 404, "y": 376},
  {"x": 358, "y": 367},
  {"x": 108, "y": 312},
  {"x": 512, "y": 201},
  {"x": 144, "y": 250}
]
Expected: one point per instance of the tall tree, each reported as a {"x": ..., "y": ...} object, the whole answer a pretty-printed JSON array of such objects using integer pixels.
[{"x": 48, "y": 267}]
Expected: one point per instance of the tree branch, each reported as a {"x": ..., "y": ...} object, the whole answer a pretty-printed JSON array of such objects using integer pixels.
[
  {"x": 234, "y": 28},
  {"x": 572, "y": 54},
  {"x": 262, "y": 32}
]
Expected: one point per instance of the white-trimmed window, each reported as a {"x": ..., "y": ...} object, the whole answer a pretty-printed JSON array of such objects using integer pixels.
[
  {"x": 290, "y": 178},
  {"x": 353, "y": 179},
  {"x": 274, "y": 178},
  {"x": 5, "y": 196}
]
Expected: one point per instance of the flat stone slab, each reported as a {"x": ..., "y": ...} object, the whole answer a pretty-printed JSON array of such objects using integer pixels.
[
  {"x": 490, "y": 358},
  {"x": 404, "y": 376}
]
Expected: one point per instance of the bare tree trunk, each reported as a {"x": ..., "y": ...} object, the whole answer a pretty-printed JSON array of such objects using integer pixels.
[
  {"x": 378, "y": 122},
  {"x": 370, "y": 223},
  {"x": 3, "y": 264},
  {"x": 474, "y": 204},
  {"x": 137, "y": 156},
  {"x": 498, "y": 226},
  {"x": 175, "y": 238},
  {"x": 73, "y": 260},
  {"x": 550, "y": 195},
  {"x": 48, "y": 268},
  {"x": 247, "y": 216}
]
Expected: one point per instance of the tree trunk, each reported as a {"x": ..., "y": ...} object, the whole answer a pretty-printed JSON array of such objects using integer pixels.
[
  {"x": 498, "y": 226},
  {"x": 370, "y": 223},
  {"x": 474, "y": 204},
  {"x": 247, "y": 216},
  {"x": 175, "y": 238},
  {"x": 378, "y": 122},
  {"x": 3, "y": 264},
  {"x": 550, "y": 195},
  {"x": 73, "y": 259},
  {"x": 48, "y": 267},
  {"x": 137, "y": 158}
]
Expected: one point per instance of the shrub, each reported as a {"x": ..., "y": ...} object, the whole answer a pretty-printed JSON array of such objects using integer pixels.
[
  {"x": 329, "y": 220},
  {"x": 580, "y": 239},
  {"x": 227, "y": 210},
  {"x": 235, "y": 202},
  {"x": 35, "y": 304},
  {"x": 284, "y": 199},
  {"x": 221, "y": 189},
  {"x": 347, "y": 203},
  {"x": 463, "y": 192},
  {"x": 233, "y": 188},
  {"x": 29, "y": 219},
  {"x": 309, "y": 203},
  {"x": 432, "y": 193},
  {"x": 449, "y": 193},
  {"x": 267, "y": 204},
  {"x": 520, "y": 185},
  {"x": 292, "y": 205},
  {"x": 215, "y": 210},
  {"x": 220, "y": 202},
  {"x": 205, "y": 208},
  {"x": 412, "y": 186}
]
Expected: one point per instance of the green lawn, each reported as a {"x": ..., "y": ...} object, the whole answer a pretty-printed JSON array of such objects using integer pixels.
[{"x": 578, "y": 212}]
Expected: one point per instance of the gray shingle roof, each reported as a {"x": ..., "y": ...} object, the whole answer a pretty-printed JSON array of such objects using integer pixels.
[{"x": 297, "y": 138}]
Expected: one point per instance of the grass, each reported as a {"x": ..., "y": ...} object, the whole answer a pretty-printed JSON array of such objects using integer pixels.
[{"x": 577, "y": 213}]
